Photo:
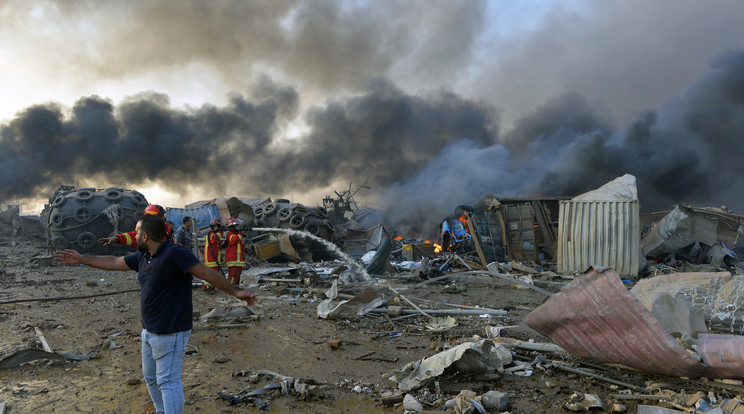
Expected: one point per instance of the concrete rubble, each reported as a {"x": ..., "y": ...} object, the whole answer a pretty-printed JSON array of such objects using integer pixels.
[{"x": 493, "y": 323}]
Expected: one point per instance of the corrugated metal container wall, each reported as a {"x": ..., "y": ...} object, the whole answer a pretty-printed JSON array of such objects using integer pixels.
[
  {"x": 201, "y": 215},
  {"x": 599, "y": 233}
]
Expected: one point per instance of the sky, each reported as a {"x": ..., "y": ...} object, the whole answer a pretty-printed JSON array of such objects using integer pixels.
[{"x": 430, "y": 103}]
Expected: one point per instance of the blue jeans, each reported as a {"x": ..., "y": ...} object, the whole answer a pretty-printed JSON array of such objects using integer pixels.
[{"x": 162, "y": 357}]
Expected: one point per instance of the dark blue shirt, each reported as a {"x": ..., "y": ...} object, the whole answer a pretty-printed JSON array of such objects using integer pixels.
[{"x": 165, "y": 297}]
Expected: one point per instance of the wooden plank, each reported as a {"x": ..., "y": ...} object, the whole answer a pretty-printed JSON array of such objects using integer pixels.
[
  {"x": 43, "y": 340},
  {"x": 474, "y": 237}
]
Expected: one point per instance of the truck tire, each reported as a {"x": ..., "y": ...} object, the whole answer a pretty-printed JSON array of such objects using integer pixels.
[
  {"x": 83, "y": 214},
  {"x": 57, "y": 219},
  {"x": 269, "y": 210},
  {"x": 313, "y": 228},
  {"x": 297, "y": 221},
  {"x": 113, "y": 194},
  {"x": 84, "y": 195},
  {"x": 59, "y": 201},
  {"x": 285, "y": 214},
  {"x": 60, "y": 243},
  {"x": 86, "y": 240}
]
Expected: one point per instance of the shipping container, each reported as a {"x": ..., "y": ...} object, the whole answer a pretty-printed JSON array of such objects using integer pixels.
[{"x": 599, "y": 233}]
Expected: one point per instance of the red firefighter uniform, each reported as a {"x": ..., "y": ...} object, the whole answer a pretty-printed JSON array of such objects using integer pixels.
[
  {"x": 234, "y": 256},
  {"x": 212, "y": 254},
  {"x": 130, "y": 238}
]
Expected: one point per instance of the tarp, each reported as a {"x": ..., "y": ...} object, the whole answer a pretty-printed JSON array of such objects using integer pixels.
[
  {"x": 596, "y": 317},
  {"x": 621, "y": 188}
]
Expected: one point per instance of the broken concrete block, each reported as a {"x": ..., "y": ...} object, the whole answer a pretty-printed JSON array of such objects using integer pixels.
[
  {"x": 410, "y": 403},
  {"x": 495, "y": 400},
  {"x": 677, "y": 315}
]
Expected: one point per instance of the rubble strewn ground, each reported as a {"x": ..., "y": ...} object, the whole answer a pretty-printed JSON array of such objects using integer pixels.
[{"x": 333, "y": 365}]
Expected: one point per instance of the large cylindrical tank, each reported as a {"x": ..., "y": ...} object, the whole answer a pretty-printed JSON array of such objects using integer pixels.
[{"x": 78, "y": 218}]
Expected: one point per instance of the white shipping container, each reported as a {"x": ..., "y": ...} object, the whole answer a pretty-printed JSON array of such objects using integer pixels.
[{"x": 599, "y": 233}]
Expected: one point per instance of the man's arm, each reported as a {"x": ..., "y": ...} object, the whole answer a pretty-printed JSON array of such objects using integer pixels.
[
  {"x": 217, "y": 280},
  {"x": 71, "y": 257},
  {"x": 178, "y": 237}
]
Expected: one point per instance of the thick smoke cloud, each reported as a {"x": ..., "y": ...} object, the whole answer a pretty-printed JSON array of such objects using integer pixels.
[
  {"x": 431, "y": 103},
  {"x": 688, "y": 151},
  {"x": 422, "y": 154},
  {"x": 378, "y": 137},
  {"x": 141, "y": 139}
]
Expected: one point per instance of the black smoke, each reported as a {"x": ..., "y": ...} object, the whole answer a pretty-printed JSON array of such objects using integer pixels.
[
  {"x": 141, "y": 139},
  {"x": 688, "y": 151},
  {"x": 422, "y": 154}
]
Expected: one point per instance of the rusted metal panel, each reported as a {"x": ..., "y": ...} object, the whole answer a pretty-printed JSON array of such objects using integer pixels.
[
  {"x": 725, "y": 354},
  {"x": 596, "y": 317},
  {"x": 599, "y": 233}
]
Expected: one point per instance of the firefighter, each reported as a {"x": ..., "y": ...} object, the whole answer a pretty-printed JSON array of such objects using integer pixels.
[
  {"x": 212, "y": 253},
  {"x": 130, "y": 238},
  {"x": 235, "y": 252}
]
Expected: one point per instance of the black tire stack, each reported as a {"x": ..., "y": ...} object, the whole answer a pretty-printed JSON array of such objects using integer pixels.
[
  {"x": 285, "y": 215},
  {"x": 78, "y": 218}
]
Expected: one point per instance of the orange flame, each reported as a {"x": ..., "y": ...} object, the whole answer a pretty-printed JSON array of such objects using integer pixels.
[{"x": 437, "y": 248}]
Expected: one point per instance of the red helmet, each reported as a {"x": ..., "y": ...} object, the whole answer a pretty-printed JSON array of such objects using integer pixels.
[
  {"x": 233, "y": 222},
  {"x": 154, "y": 210},
  {"x": 215, "y": 222}
]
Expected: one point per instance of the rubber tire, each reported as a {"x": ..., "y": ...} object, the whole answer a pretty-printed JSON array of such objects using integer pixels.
[
  {"x": 258, "y": 212},
  {"x": 269, "y": 210},
  {"x": 59, "y": 201},
  {"x": 60, "y": 243},
  {"x": 322, "y": 211},
  {"x": 282, "y": 200},
  {"x": 113, "y": 194},
  {"x": 139, "y": 200},
  {"x": 86, "y": 240},
  {"x": 84, "y": 195},
  {"x": 329, "y": 226},
  {"x": 57, "y": 219},
  {"x": 285, "y": 214},
  {"x": 83, "y": 214},
  {"x": 297, "y": 221},
  {"x": 313, "y": 228}
]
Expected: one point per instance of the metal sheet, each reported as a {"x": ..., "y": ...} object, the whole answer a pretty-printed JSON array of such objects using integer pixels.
[
  {"x": 599, "y": 233},
  {"x": 596, "y": 317},
  {"x": 202, "y": 216}
]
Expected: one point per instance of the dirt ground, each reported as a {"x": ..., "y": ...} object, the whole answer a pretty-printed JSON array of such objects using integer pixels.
[{"x": 350, "y": 361}]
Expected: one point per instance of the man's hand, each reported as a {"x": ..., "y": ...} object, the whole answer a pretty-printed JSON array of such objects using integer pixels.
[
  {"x": 107, "y": 240},
  {"x": 217, "y": 280},
  {"x": 248, "y": 297},
  {"x": 71, "y": 257},
  {"x": 68, "y": 257}
]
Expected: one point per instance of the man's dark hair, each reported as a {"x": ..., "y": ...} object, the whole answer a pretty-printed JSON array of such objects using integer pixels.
[
  {"x": 186, "y": 219},
  {"x": 154, "y": 227}
]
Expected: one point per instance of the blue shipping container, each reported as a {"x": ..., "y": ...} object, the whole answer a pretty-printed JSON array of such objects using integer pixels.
[{"x": 202, "y": 216}]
